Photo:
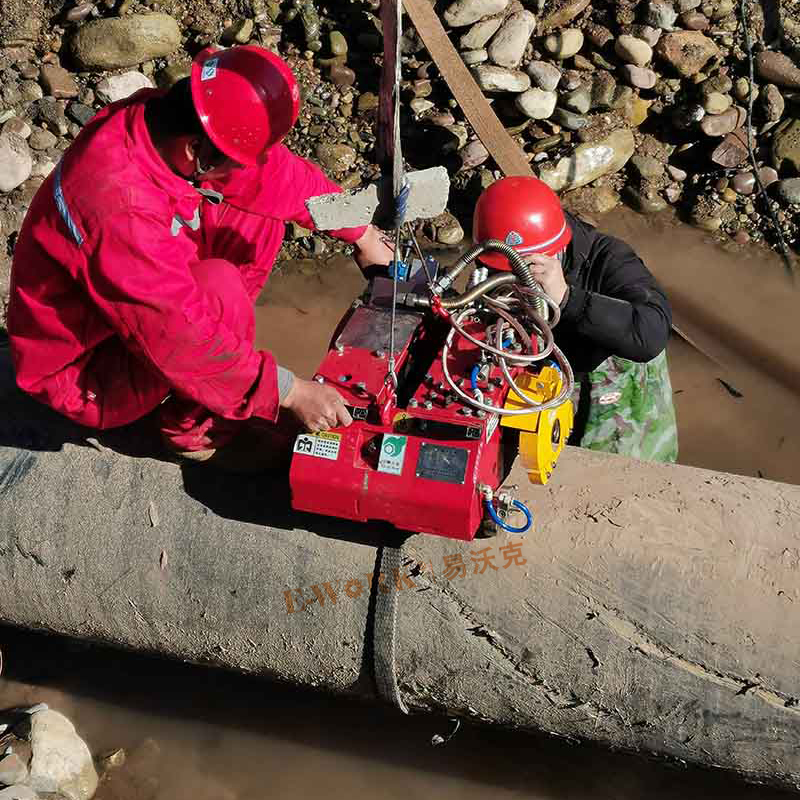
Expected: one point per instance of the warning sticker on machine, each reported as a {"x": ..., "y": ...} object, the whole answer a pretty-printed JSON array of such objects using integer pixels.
[
  {"x": 393, "y": 454},
  {"x": 319, "y": 445}
]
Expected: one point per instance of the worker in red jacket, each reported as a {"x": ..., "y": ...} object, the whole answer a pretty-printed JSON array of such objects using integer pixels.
[{"x": 142, "y": 254}]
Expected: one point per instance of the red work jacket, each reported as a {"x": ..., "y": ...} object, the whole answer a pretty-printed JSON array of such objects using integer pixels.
[{"x": 103, "y": 261}]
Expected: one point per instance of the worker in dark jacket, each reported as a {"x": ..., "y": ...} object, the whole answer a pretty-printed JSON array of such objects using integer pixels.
[{"x": 615, "y": 319}]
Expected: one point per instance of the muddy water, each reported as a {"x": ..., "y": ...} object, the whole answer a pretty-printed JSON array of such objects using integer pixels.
[{"x": 221, "y": 736}]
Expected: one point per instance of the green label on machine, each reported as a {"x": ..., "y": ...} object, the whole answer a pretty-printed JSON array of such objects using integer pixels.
[{"x": 393, "y": 453}]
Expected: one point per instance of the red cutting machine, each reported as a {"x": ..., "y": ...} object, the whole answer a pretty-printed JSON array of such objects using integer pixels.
[{"x": 475, "y": 379}]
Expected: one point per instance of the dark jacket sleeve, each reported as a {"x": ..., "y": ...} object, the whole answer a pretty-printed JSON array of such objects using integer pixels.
[{"x": 628, "y": 314}]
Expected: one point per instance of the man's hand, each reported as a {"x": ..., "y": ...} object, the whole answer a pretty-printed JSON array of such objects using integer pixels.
[
  {"x": 318, "y": 407},
  {"x": 548, "y": 271},
  {"x": 374, "y": 248}
]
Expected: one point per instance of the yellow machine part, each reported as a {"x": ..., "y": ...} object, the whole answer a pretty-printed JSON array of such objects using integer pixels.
[{"x": 542, "y": 434}]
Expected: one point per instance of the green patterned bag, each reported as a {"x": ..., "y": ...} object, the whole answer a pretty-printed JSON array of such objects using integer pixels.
[{"x": 631, "y": 410}]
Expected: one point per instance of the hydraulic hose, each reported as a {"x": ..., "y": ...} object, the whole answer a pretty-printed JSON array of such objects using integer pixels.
[
  {"x": 517, "y": 262},
  {"x": 504, "y": 525}
]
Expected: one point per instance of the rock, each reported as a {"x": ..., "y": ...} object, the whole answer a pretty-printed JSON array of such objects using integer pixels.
[
  {"x": 741, "y": 237},
  {"x": 79, "y": 12},
  {"x": 461, "y": 134},
  {"x": 686, "y": 51},
  {"x": 43, "y": 168},
  {"x": 19, "y": 792},
  {"x": 342, "y": 76},
  {"x": 676, "y": 173},
  {"x": 473, "y": 154},
  {"x": 772, "y": 102},
  {"x": 472, "y": 57},
  {"x": 720, "y": 124},
  {"x": 768, "y": 176},
  {"x": 633, "y": 50},
  {"x": 711, "y": 223},
  {"x": 491, "y": 78},
  {"x": 119, "y": 42},
  {"x": 563, "y": 15},
  {"x": 598, "y": 35},
  {"x": 118, "y": 87},
  {"x": 367, "y": 102},
  {"x": 647, "y": 33},
  {"x": 787, "y": 190},
  {"x": 536, "y": 103},
  {"x": 57, "y": 82},
  {"x": 732, "y": 151},
  {"x": 13, "y": 770},
  {"x": 636, "y": 110},
  {"x": 18, "y": 127},
  {"x": 695, "y": 21},
  {"x": 569, "y": 120},
  {"x": 777, "y": 68},
  {"x": 546, "y": 76},
  {"x": 686, "y": 116},
  {"x": 786, "y": 148},
  {"x": 480, "y": 33},
  {"x": 465, "y": 12},
  {"x": 15, "y": 162},
  {"x": 603, "y": 88},
  {"x": 688, "y": 5},
  {"x": 661, "y": 15},
  {"x": 639, "y": 77},
  {"x": 30, "y": 92},
  {"x": 716, "y": 103},
  {"x": 335, "y": 157},
  {"x": 673, "y": 193},
  {"x": 645, "y": 201},
  {"x": 443, "y": 119},
  {"x": 592, "y": 200},
  {"x": 113, "y": 759},
  {"x": 508, "y": 45},
  {"x": 744, "y": 183},
  {"x": 42, "y": 139},
  {"x": 579, "y": 100},
  {"x": 583, "y": 64},
  {"x": 564, "y": 44},
  {"x": 741, "y": 90},
  {"x": 337, "y": 43},
  {"x": 61, "y": 760},
  {"x": 450, "y": 233},
  {"x": 419, "y": 105},
  {"x": 647, "y": 167},
  {"x": 80, "y": 113},
  {"x": 590, "y": 161},
  {"x": 722, "y": 8},
  {"x": 239, "y": 32},
  {"x": 728, "y": 195}
]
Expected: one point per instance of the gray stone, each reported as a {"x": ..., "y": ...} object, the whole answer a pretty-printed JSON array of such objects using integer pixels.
[
  {"x": 721, "y": 9},
  {"x": 786, "y": 148},
  {"x": 563, "y": 14},
  {"x": 479, "y": 34},
  {"x": 788, "y": 190},
  {"x": 686, "y": 116},
  {"x": 716, "y": 103},
  {"x": 639, "y": 77},
  {"x": 603, "y": 88},
  {"x": 688, "y": 5},
  {"x": 18, "y": 127},
  {"x": 466, "y": 12},
  {"x": 41, "y": 139},
  {"x": 578, "y": 100},
  {"x": 545, "y": 75},
  {"x": 536, "y": 103},
  {"x": 15, "y": 162},
  {"x": 13, "y": 770},
  {"x": 741, "y": 90},
  {"x": 647, "y": 167},
  {"x": 50, "y": 112},
  {"x": 645, "y": 200},
  {"x": 30, "y": 92},
  {"x": 119, "y": 42},
  {"x": 472, "y": 57},
  {"x": 647, "y": 33},
  {"x": 772, "y": 102},
  {"x": 43, "y": 167},
  {"x": 695, "y": 21},
  {"x": 428, "y": 195},
  {"x": 491, "y": 78},
  {"x": 686, "y": 51},
  {"x": 564, "y": 44},
  {"x": 717, "y": 83},
  {"x": 451, "y": 232},
  {"x": 569, "y": 120},
  {"x": 80, "y": 113},
  {"x": 118, "y": 87},
  {"x": 661, "y": 15},
  {"x": 676, "y": 173},
  {"x": 508, "y": 45},
  {"x": 633, "y": 50},
  {"x": 590, "y": 161},
  {"x": 19, "y": 792},
  {"x": 172, "y": 73},
  {"x": 61, "y": 760},
  {"x": 778, "y": 68}
]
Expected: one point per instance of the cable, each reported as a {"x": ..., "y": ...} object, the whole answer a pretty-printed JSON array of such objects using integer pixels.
[
  {"x": 761, "y": 190},
  {"x": 504, "y": 525}
]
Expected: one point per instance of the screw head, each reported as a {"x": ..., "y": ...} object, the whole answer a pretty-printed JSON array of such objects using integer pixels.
[
  {"x": 480, "y": 413},
  {"x": 319, "y": 379},
  {"x": 467, "y": 412},
  {"x": 361, "y": 386},
  {"x": 412, "y": 402},
  {"x": 428, "y": 405},
  {"x": 380, "y": 354}
]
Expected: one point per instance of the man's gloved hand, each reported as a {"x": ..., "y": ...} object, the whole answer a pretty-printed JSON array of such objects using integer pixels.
[
  {"x": 318, "y": 407},
  {"x": 548, "y": 271},
  {"x": 373, "y": 249}
]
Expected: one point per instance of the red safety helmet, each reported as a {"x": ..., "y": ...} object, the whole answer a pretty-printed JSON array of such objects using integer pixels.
[
  {"x": 247, "y": 100},
  {"x": 523, "y": 212}
]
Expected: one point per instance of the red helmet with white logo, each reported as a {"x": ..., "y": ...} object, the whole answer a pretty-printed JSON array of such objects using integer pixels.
[
  {"x": 247, "y": 99},
  {"x": 523, "y": 212}
]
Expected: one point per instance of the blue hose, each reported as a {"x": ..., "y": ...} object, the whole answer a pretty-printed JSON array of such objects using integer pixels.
[
  {"x": 505, "y": 526},
  {"x": 473, "y": 376}
]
